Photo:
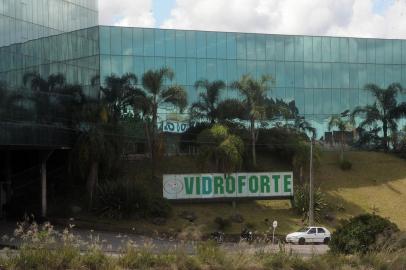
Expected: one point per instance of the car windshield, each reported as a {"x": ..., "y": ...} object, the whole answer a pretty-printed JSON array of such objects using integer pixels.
[{"x": 305, "y": 229}]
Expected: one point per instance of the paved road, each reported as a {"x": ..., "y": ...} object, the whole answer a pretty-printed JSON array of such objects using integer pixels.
[{"x": 114, "y": 242}]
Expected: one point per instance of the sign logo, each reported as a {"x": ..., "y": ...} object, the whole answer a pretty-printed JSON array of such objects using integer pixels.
[{"x": 173, "y": 186}]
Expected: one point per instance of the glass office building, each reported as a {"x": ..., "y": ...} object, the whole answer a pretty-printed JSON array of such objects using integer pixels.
[{"x": 323, "y": 75}]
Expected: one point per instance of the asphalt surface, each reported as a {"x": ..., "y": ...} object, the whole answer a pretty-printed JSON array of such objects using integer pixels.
[{"x": 115, "y": 242}]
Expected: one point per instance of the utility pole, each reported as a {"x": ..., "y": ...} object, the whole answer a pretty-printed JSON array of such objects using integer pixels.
[{"x": 311, "y": 195}]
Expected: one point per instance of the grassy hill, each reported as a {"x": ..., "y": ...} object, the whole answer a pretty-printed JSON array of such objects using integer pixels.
[{"x": 377, "y": 182}]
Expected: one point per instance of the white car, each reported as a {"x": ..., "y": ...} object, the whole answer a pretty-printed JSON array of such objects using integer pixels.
[{"x": 309, "y": 235}]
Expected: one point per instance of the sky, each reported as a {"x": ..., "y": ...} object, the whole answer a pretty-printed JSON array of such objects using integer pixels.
[{"x": 361, "y": 18}]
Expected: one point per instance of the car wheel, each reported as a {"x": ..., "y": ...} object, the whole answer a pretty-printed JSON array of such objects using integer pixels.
[
  {"x": 326, "y": 240},
  {"x": 302, "y": 241}
]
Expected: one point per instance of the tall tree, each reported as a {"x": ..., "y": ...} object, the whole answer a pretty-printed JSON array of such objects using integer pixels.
[
  {"x": 343, "y": 123},
  {"x": 209, "y": 100},
  {"x": 385, "y": 111},
  {"x": 254, "y": 94},
  {"x": 157, "y": 91}
]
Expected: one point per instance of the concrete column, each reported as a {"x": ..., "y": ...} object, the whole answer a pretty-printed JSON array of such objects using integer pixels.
[{"x": 43, "y": 187}]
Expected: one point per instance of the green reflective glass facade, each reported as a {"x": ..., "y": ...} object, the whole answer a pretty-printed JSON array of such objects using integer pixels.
[
  {"x": 324, "y": 75},
  {"x": 23, "y": 20}
]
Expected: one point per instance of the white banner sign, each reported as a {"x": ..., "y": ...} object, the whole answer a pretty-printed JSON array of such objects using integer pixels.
[{"x": 236, "y": 185}]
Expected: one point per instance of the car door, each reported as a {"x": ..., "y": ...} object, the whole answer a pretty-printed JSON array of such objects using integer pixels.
[
  {"x": 311, "y": 235},
  {"x": 321, "y": 234}
]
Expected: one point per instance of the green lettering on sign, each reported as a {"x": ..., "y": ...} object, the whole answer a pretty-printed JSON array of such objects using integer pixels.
[
  {"x": 241, "y": 183},
  {"x": 230, "y": 184},
  {"x": 207, "y": 185},
  {"x": 189, "y": 185},
  {"x": 197, "y": 185},
  {"x": 253, "y": 184},
  {"x": 218, "y": 185},
  {"x": 265, "y": 184},
  {"x": 276, "y": 182},
  {"x": 287, "y": 183}
]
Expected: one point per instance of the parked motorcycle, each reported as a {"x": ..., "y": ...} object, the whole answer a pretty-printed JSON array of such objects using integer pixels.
[
  {"x": 217, "y": 236},
  {"x": 247, "y": 235}
]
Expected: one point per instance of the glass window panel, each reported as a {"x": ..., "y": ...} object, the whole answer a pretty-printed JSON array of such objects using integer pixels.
[
  {"x": 371, "y": 78},
  {"x": 127, "y": 41},
  {"x": 335, "y": 104},
  {"x": 105, "y": 65},
  {"x": 317, "y": 75},
  {"x": 211, "y": 69},
  {"x": 221, "y": 45},
  {"x": 241, "y": 46},
  {"x": 180, "y": 43},
  {"x": 278, "y": 93},
  {"x": 308, "y": 75},
  {"x": 211, "y": 45},
  {"x": 191, "y": 71},
  {"x": 299, "y": 74},
  {"x": 289, "y": 74},
  {"x": 201, "y": 44},
  {"x": 388, "y": 51},
  {"x": 290, "y": 94},
  {"x": 388, "y": 75},
  {"x": 128, "y": 66},
  {"x": 309, "y": 105},
  {"x": 353, "y": 50},
  {"x": 299, "y": 100},
  {"x": 318, "y": 101},
  {"x": 232, "y": 71},
  {"x": 345, "y": 75},
  {"x": 380, "y": 75},
  {"x": 326, "y": 75},
  {"x": 354, "y": 96},
  {"x": 221, "y": 70},
  {"x": 231, "y": 46},
  {"x": 149, "y": 64},
  {"x": 201, "y": 69},
  {"x": 261, "y": 68},
  {"x": 181, "y": 71},
  {"x": 252, "y": 68},
  {"x": 362, "y": 75},
  {"x": 403, "y": 51},
  {"x": 279, "y": 48},
  {"x": 148, "y": 36},
  {"x": 362, "y": 50},
  {"x": 335, "y": 79},
  {"x": 335, "y": 49},
  {"x": 403, "y": 79},
  {"x": 260, "y": 47},
  {"x": 104, "y": 40},
  {"x": 251, "y": 53},
  {"x": 116, "y": 40},
  {"x": 117, "y": 65},
  {"x": 380, "y": 51},
  {"x": 159, "y": 39},
  {"x": 345, "y": 99},
  {"x": 270, "y": 48},
  {"x": 138, "y": 66},
  {"x": 299, "y": 49},
  {"x": 191, "y": 44},
  {"x": 241, "y": 68},
  {"x": 171, "y": 63},
  {"x": 280, "y": 74},
  {"x": 344, "y": 49},
  {"x": 396, "y": 74},
  {"x": 397, "y": 51},
  {"x": 354, "y": 76},
  {"x": 317, "y": 49},
  {"x": 138, "y": 41},
  {"x": 170, "y": 50},
  {"x": 289, "y": 48},
  {"x": 370, "y": 51},
  {"x": 308, "y": 49}
]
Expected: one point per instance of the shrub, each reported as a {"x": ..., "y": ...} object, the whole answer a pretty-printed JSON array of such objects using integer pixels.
[
  {"x": 345, "y": 165},
  {"x": 302, "y": 198},
  {"x": 222, "y": 223},
  {"x": 360, "y": 233},
  {"x": 158, "y": 207}
]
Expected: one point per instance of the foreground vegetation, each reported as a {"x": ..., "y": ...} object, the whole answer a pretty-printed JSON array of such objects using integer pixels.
[{"x": 45, "y": 248}]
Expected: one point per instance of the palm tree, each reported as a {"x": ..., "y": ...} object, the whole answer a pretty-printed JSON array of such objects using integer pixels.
[
  {"x": 254, "y": 93},
  {"x": 155, "y": 94},
  {"x": 385, "y": 111},
  {"x": 344, "y": 123},
  {"x": 207, "y": 106}
]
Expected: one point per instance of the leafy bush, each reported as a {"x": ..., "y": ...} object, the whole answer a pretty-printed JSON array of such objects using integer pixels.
[
  {"x": 360, "y": 233},
  {"x": 222, "y": 223},
  {"x": 158, "y": 207},
  {"x": 345, "y": 165},
  {"x": 301, "y": 202}
]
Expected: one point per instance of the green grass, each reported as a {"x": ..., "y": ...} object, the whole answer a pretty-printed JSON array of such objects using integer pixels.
[{"x": 376, "y": 182}]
